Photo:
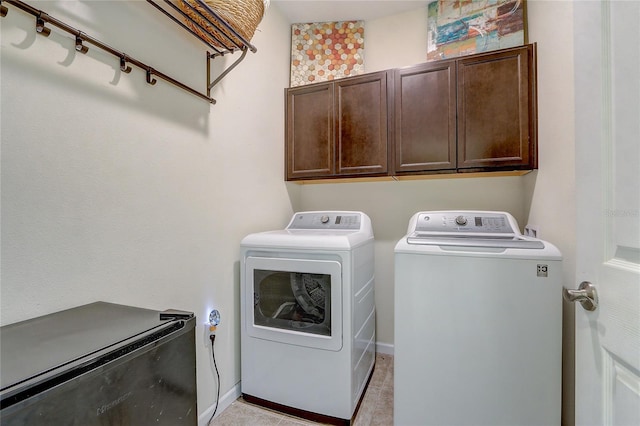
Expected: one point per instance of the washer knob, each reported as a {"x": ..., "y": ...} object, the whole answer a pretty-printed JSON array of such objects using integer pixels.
[
  {"x": 461, "y": 220},
  {"x": 324, "y": 219}
]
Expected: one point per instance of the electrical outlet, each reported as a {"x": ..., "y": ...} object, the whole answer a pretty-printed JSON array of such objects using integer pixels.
[{"x": 532, "y": 231}]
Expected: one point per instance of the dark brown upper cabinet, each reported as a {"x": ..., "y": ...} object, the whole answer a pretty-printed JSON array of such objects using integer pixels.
[
  {"x": 471, "y": 114},
  {"x": 475, "y": 113},
  {"x": 497, "y": 110},
  {"x": 425, "y": 117},
  {"x": 338, "y": 129},
  {"x": 309, "y": 147}
]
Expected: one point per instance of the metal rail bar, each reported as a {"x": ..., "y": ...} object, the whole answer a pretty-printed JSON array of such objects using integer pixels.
[
  {"x": 218, "y": 23},
  {"x": 182, "y": 24},
  {"x": 232, "y": 30},
  {"x": 228, "y": 47},
  {"x": 42, "y": 18}
]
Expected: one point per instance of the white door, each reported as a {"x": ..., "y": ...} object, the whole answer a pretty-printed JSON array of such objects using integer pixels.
[{"x": 607, "y": 98}]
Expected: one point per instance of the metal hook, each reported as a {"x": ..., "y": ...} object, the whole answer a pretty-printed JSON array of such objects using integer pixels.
[
  {"x": 150, "y": 80},
  {"x": 79, "y": 46},
  {"x": 40, "y": 28},
  {"x": 123, "y": 65}
]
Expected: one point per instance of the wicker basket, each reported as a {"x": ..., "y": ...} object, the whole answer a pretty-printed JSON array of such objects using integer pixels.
[{"x": 242, "y": 15}]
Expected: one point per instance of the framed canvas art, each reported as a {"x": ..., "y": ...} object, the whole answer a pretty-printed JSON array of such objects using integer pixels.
[
  {"x": 463, "y": 27},
  {"x": 325, "y": 51}
]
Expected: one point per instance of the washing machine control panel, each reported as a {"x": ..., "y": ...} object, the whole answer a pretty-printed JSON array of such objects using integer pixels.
[
  {"x": 466, "y": 222},
  {"x": 326, "y": 220}
]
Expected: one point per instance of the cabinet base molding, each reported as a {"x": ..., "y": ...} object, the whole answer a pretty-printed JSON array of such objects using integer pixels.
[
  {"x": 413, "y": 177},
  {"x": 463, "y": 175}
]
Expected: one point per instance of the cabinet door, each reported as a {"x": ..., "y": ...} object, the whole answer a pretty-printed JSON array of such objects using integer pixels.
[
  {"x": 425, "y": 117},
  {"x": 309, "y": 142},
  {"x": 361, "y": 125},
  {"x": 496, "y": 110}
]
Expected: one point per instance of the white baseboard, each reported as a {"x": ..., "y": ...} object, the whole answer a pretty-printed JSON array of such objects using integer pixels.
[
  {"x": 225, "y": 401},
  {"x": 384, "y": 348}
]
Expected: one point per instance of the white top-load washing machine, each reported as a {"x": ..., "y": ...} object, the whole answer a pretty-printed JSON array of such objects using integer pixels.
[
  {"x": 478, "y": 323},
  {"x": 308, "y": 315}
]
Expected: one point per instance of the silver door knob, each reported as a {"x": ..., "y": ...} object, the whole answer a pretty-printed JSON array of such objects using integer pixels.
[{"x": 586, "y": 294}]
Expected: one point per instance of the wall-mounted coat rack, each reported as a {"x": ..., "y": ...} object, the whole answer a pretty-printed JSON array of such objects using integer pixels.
[{"x": 229, "y": 45}]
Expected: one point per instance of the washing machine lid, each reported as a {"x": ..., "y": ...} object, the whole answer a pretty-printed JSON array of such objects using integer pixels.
[
  {"x": 492, "y": 242},
  {"x": 474, "y": 229}
]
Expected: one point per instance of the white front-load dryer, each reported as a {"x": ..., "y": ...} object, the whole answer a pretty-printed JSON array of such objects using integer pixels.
[
  {"x": 478, "y": 323},
  {"x": 308, "y": 315}
]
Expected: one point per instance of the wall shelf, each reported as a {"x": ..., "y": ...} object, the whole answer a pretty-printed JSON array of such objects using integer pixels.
[{"x": 224, "y": 40}]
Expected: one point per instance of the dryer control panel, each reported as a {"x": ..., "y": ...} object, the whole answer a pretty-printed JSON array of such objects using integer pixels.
[{"x": 326, "y": 220}]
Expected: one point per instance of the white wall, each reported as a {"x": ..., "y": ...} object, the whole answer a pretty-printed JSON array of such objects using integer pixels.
[
  {"x": 551, "y": 190},
  {"x": 116, "y": 190}
]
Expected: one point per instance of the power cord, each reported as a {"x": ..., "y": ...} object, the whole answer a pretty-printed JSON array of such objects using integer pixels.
[{"x": 212, "y": 337}]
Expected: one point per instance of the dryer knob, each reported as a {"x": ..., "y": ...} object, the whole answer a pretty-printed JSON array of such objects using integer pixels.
[
  {"x": 324, "y": 219},
  {"x": 461, "y": 220}
]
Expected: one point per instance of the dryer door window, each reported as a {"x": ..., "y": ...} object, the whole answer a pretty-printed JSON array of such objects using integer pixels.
[
  {"x": 298, "y": 301},
  {"x": 294, "y": 301}
]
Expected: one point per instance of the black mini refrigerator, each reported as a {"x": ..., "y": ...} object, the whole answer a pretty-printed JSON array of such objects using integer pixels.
[{"x": 99, "y": 364}]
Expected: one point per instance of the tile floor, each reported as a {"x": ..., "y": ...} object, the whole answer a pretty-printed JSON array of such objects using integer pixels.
[{"x": 376, "y": 407}]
